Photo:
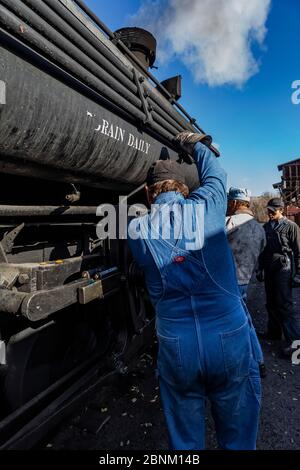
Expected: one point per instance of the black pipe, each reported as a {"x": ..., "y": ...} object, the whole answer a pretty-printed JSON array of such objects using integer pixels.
[
  {"x": 166, "y": 117},
  {"x": 51, "y": 224},
  {"x": 165, "y": 124},
  {"x": 59, "y": 17},
  {"x": 90, "y": 38},
  {"x": 12, "y": 22},
  {"x": 67, "y": 47},
  {"x": 45, "y": 211},
  {"x": 161, "y": 102},
  {"x": 95, "y": 18}
]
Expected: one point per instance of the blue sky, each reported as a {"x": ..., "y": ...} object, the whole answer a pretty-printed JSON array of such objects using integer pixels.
[{"x": 256, "y": 125}]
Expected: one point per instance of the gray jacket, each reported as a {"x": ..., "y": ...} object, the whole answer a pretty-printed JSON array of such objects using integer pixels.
[{"x": 247, "y": 239}]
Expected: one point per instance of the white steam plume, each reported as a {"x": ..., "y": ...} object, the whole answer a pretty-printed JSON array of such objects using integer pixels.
[{"x": 212, "y": 37}]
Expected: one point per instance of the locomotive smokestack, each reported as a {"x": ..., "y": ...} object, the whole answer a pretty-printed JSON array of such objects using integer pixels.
[{"x": 141, "y": 43}]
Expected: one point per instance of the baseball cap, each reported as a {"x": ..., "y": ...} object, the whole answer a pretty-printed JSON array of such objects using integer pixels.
[
  {"x": 240, "y": 194},
  {"x": 165, "y": 170},
  {"x": 275, "y": 203}
]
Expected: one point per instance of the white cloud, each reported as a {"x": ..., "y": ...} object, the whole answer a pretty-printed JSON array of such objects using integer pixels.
[{"x": 212, "y": 37}]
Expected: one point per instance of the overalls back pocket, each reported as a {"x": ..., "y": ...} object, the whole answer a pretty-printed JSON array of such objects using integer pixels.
[
  {"x": 237, "y": 352},
  {"x": 169, "y": 362}
]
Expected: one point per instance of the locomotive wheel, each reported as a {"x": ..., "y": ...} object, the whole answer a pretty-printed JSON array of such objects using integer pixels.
[
  {"x": 84, "y": 343},
  {"x": 140, "y": 308},
  {"x": 37, "y": 358}
]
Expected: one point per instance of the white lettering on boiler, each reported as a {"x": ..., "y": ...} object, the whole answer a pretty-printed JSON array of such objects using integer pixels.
[
  {"x": 117, "y": 133},
  {"x": 138, "y": 144},
  {"x": 112, "y": 131}
]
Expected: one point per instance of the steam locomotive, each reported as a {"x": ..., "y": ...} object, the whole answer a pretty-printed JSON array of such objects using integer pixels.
[{"x": 81, "y": 121}]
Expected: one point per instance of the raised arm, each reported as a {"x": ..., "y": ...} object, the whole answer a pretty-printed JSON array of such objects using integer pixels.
[{"x": 212, "y": 177}]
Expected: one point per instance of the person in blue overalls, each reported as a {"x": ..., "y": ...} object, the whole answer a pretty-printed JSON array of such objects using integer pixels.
[{"x": 208, "y": 348}]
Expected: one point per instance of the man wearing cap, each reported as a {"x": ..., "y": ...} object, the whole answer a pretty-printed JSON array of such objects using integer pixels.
[
  {"x": 245, "y": 235},
  {"x": 208, "y": 348},
  {"x": 279, "y": 264}
]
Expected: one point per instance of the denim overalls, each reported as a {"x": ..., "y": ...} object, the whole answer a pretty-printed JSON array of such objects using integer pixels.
[{"x": 207, "y": 344}]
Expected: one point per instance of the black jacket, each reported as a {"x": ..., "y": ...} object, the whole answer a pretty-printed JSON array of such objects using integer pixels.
[{"x": 282, "y": 241}]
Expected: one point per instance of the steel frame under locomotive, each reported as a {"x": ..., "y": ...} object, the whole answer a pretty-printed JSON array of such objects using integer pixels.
[{"x": 82, "y": 122}]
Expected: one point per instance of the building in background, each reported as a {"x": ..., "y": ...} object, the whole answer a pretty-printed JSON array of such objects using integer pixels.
[{"x": 289, "y": 188}]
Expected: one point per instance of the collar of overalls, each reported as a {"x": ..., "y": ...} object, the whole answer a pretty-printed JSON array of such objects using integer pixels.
[{"x": 170, "y": 196}]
